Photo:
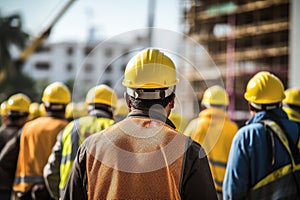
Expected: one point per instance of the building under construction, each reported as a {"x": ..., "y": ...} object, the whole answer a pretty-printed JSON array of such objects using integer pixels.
[{"x": 242, "y": 37}]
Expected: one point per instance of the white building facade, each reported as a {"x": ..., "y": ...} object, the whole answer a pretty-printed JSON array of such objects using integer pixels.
[{"x": 87, "y": 64}]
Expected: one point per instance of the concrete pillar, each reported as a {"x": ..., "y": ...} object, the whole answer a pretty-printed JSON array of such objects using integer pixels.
[{"x": 294, "y": 55}]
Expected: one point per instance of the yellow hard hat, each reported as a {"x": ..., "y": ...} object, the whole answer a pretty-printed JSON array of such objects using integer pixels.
[
  {"x": 4, "y": 110},
  {"x": 102, "y": 94},
  {"x": 150, "y": 69},
  {"x": 122, "y": 108},
  {"x": 264, "y": 88},
  {"x": 69, "y": 112},
  {"x": 292, "y": 96},
  {"x": 215, "y": 95},
  {"x": 34, "y": 110},
  {"x": 18, "y": 102},
  {"x": 42, "y": 109},
  {"x": 56, "y": 92}
]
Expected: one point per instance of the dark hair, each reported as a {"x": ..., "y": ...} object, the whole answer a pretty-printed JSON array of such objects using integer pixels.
[
  {"x": 148, "y": 103},
  {"x": 14, "y": 115}
]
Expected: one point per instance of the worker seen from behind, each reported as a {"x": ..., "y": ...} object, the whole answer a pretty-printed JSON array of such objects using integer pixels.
[
  {"x": 264, "y": 157},
  {"x": 37, "y": 140},
  {"x": 17, "y": 113},
  {"x": 142, "y": 156},
  {"x": 214, "y": 130},
  {"x": 3, "y": 111},
  {"x": 291, "y": 104},
  {"x": 101, "y": 101}
]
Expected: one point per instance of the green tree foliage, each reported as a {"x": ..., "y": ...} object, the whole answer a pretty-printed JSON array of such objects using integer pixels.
[{"x": 12, "y": 80}]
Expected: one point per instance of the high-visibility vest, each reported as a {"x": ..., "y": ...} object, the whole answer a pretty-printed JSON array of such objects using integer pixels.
[
  {"x": 214, "y": 131},
  {"x": 136, "y": 159},
  {"x": 36, "y": 142},
  {"x": 283, "y": 182},
  {"x": 73, "y": 136}
]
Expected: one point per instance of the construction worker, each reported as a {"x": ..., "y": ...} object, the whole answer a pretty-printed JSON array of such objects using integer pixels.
[
  {"x": 214, "y": 130},
  {"x": 142, "y": 156},
  {"x": 17, "y": 112},
  {"x": 291, "y": 104},
  {"x": 17, "y": 115},
  {"x": 37, "y": 140},
  {"x": 34, "y": 111},
  {"x": 3, "y": 110},
  {"x": 264, "y": 157},
  {"x": 101, "y": 101}
]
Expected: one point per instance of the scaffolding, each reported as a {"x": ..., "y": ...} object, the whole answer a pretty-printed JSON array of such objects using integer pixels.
[{"x": 242, "y": 37}]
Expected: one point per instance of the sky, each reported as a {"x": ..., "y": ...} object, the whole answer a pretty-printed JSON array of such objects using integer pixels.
[{"x": 110, "y": 18}]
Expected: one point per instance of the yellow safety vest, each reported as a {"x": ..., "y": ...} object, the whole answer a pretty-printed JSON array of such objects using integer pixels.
[
  {"x": 214, "y": 131},
  {"x": 281, "y": 180},
  {"x": 73, "y": 136}
]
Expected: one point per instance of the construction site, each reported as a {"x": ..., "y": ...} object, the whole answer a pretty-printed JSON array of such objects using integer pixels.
[{"x": 242, "y": 37}]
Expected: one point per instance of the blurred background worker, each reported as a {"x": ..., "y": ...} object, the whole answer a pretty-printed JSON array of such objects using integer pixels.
[
  {"x": 178, "y": 120},
  {"x": 17, "y": 115},
  {"x": 3, "y": 110},
  {"x": 264, "y": 156},
  {"x": 121, "y": 111},
  {"x": 17, "y": 112},
  {"x": 70, "y": 111},
  {"x": 34, "y": 111},
  {"x": 214, "y": 131},
  {"x": 36, "y": 142},
  {"x": 142, "y": 156},
  {"x": 291, "y": 104},
  {"x": 101, "y": 101}
]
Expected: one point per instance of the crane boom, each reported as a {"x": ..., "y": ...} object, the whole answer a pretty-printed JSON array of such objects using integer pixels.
[{"x": 29, "y": 49}]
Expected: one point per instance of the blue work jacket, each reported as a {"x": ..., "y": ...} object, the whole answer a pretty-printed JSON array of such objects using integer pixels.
[{"x": 249, "y": 158}]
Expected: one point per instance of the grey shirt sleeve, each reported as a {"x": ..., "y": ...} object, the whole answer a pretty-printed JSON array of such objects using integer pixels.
[{"x": 52, "y": 169}]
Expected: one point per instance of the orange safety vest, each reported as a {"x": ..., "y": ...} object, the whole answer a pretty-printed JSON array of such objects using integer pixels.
[
  {"x": 36, "y": 142},
  {"x": 137, "y": 159}
]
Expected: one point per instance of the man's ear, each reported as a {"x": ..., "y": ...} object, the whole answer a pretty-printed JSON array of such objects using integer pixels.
[
  {"x": 128, "y": 102},
  {"x": 172, "y": 102}
]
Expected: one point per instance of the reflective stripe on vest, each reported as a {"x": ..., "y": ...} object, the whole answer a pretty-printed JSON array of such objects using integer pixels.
[
  {"x": 29, "y": 179},
  {"x": 285, "y": 170},
  {"x": 73, "y": 136},
  {"x": 217, "y": 166}
]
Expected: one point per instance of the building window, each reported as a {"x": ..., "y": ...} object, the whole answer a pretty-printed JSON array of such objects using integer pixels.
[
  {"x": 88, "y": 50},
  {"x": 69, "y": 67},
  {"x": 107, "y": 82},
  {"x": 42, "y": 66},
  {"x": 88, "y": 68},
  {"x": 123, "y": 67},
  {"x": 108, "y": 52},
  {"x": 108, "y": 69},
  {"x": 70, "y": 51},
  {"x": 42, "y": 49}
]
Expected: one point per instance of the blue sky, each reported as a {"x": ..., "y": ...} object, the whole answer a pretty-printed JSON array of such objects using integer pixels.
[{"x": 110, "y": 18}]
